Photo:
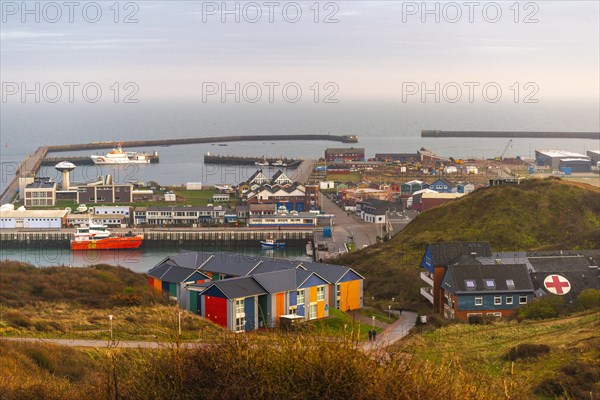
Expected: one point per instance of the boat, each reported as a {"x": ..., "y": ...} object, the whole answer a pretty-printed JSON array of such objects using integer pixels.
[
  {"x": 271, "y": 243},
  {"x": 263, "y": 163},
  {"x": 279, "y": 163},
  {"x": 97, "y": 237},
  {"x": 118, "y": 156}
]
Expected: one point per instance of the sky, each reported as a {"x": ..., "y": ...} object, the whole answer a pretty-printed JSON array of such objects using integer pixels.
[{"x": 367, "y": 50}]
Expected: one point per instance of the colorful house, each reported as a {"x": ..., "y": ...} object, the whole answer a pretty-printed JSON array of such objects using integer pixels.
[
  {"x": 443, "y": 186},
  {"x": 485, "y": 290},
  {"x": 345, "y": 287}
]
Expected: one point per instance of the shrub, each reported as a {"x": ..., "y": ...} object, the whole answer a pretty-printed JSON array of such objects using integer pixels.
[
  {"x": 18, "y": 319},
  {"x": 588, "y": 299},
  {"x": 545, "y": 307},
  {"x": 574, "y": 380},
  {"x": 475, "y": 319},
  {"x": 526, "y": 351}
]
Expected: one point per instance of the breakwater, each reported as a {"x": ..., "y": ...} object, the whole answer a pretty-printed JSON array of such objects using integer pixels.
[
  {"x": 508, "y": 134},
  {"x": 213, "y": 139},
  {"x": 239, "y": 160}
]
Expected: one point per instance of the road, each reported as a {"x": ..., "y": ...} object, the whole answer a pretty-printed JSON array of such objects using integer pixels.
[
  {"x": 364, "y": 233},
  {"x": 394, "y": 332}
]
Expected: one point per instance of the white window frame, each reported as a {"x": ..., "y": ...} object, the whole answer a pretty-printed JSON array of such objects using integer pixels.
[
  {"x": 522, "y": 299},
  {"x": 311, "y": 314},
  {"x": 509, "y": 300},
  {"x": 240, "y": 316},
  {"x": 320, "y": 293},
  {"x": 495, "y": 314},
  {"x": 497, "y": 300},
  {"x": 300, "y": 295},
  {"x": 478, "y": 301},
  {"x": 474, "y": 314},
  {"x": 293, "y": 310},
  {"x": 338, "y": 290}
]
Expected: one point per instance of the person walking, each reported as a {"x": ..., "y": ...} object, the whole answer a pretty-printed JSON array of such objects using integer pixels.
[
  {"x": 370, "y": 335},
  {"x": 374, "y": 335}
]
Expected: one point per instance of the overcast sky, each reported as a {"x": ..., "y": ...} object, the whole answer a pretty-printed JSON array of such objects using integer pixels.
[{"x": 369, "y": 52}]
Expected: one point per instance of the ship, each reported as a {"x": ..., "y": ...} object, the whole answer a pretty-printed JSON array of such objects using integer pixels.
[
  {"x": 97, "y": 237},
  {"x": 118, "y": 156}
]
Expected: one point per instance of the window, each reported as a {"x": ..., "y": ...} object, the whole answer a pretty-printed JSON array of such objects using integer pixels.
[
  {"x": 338, "y": 290},
  {"x": 510, "y": 284},
  {"x": 478, "y": 301},
  {"x": 489, "y": 283},
  {"x": 509, "y": 299},
  {"x": 300, "y": 297},
  {"x": 240, "y": 316},
  {"x": 522, "y": 299},
  {"x": 293, "y": 310},
  {"x": 320, "y": 293},
  {"x": 313, "y": 311},
  {"x": 470, "y": 284},
  {"x": 495, "y": 314},
  {"x": 240, "y": 324},
  {"x": 497, "y": 300},
  {"x": 239, "y": 306}
]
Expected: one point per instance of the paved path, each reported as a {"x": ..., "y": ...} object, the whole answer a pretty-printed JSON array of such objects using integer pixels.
[
  {"x": 394, "y": 332},
  {"x": 364, "y": 233}
]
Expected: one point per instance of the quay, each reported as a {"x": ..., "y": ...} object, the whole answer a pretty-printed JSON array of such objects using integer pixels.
[
  {"x": 11, "y": 238},
  {"x": 240, "y": 160},
  {"x": 85, "y": 160},
  {"x": 508, "y": 134}
]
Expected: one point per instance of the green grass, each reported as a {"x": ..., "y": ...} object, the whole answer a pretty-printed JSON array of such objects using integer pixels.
[
  {"x": 342, "y": 178},
  {"x": 482, "y": 348},
  {"x": 380, "y": 316},
  {"x": 351, "y": 247},
  {"x": 340, "y": 323}
]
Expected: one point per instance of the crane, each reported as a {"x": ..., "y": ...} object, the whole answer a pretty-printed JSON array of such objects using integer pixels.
[{"x": 501, "y": 156}]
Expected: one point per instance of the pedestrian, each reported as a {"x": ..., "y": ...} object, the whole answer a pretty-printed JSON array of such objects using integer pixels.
[
  {"x": 374, "y": 334},
  {"x": 370, "y": 335}
]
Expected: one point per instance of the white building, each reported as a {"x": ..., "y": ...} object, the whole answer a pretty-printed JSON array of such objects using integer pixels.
[
  {"x": 327, "y": 185},
  {"x": 33, "y": 219}
]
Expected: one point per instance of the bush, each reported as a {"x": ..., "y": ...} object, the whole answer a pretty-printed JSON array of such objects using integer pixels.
[
  {"x": 475, "y": 319},
  {"x": 575, "y": 380},
  {"x": 588, "y": 299},
  {"x": 16, "y": 318},
  {"x": 526, "y": 351},
  {"x": 545, "y": 307}
]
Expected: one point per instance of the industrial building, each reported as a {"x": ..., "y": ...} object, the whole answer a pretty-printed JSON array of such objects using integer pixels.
[
  {"x": 107, "y": 193},
  {"x": 594, "y": 156},
  {"x": 39, "y": 193},
  {"x": 551, "y": 158},
  {"x": 569, "y": 165},
  {"x": 32, "y": 219},
  {"x": 344, "y": 154}
]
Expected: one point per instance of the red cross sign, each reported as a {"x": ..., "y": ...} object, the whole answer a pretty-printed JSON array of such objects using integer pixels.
[{"x": 557, "y": 284}]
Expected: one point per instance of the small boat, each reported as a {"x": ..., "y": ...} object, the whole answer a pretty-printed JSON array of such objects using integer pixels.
[
  {"x": 271, "y": 243},
  {"x": 97, "y": 237},
  {"x": 279, "y": 163},
  {"x": 263, "y": 163}
]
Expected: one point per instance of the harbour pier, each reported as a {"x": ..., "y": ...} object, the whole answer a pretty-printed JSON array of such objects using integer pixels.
[
  {"x": 241, "y": 160},
  {"x": 509, "y": 134}
]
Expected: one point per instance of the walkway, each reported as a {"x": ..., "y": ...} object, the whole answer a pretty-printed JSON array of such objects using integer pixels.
[{"x": 394, "y": 332}]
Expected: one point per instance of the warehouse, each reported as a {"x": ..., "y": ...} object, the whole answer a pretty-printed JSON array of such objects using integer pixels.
[
  {"x": 32, "y": 219},
  {"x": 575, "y": 165},
  {"x": 594, "y": 155},
  {"x": 551, "y": 158}
]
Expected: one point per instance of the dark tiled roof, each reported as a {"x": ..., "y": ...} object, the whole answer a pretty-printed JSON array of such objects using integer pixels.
[
  {"x": 579, "y": 281},
  {"x": 240, "y": 287},
  {"x": 330, "y": 272},
  {"x": 559, "y": 263},
  {"x": 278, "y": 281},
  {"x": 499, "y": 273},
  {"x": 446, "y": 253}
]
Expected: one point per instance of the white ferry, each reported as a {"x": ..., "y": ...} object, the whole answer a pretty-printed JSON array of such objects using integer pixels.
[{"x": 118, "y": 156}]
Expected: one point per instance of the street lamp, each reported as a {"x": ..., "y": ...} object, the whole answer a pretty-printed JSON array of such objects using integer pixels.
[
  {"x": 110, "y": 318},
  {"x": 389, "y": 311},
  {"x": 373, "y": 323},
  {"x": 179, "y": 323}
]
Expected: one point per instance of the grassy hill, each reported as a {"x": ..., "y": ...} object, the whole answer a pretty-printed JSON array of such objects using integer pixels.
[{"x": 538, "y": 214}]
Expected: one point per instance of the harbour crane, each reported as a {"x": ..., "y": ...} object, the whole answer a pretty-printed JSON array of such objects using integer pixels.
[{"x": 501, "y": 156}]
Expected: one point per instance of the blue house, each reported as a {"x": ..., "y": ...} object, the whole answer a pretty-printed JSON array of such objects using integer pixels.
[
  {"x": 443, "y": 185},
  {"x": 491, "y": 290}
]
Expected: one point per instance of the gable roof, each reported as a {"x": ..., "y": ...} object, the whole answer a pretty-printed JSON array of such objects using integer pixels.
[
  {"x": 236, "y": 288},
  {"x": 277, "y": 281},
  {"x": 559, "y": 263},
  {"x": 330, "y": 272},
  {"x": 168, "y": 271},
  {"x": 446, "y": 253},
  {"x": 445, "y": 182},
  {"x": 459, "y": 274}
]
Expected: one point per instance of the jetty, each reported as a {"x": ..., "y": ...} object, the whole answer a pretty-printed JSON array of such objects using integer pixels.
[
  {"x": 510, "y": 134},
  {"x": 241, "y": 160}
]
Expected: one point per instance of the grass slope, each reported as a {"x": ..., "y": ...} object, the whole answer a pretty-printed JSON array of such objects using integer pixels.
[{"x": 538, "y": 214}]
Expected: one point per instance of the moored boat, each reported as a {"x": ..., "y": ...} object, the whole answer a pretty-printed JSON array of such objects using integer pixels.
[
  {"x": 118, "y": 156},
  {"x": 97, "y": 237},
  {"x": 271, "y": 243}
]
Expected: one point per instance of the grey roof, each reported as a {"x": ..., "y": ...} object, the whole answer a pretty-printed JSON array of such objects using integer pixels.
[
  {"x": 330, "y": 272},
  {"x": 240, "y": 287},
  {"x": 278, "y": 281},
  {"x": 559, "y": 263},
  {"x": 160, "y": 269},
  {"x": 178, "y": 274},
  {"x": 40, "y": 185},
  {"x": 190, "y": 259},
  {"x": 230, "y": 264},
  {"x": 500, "y": 273},
  {"x": 273, "y": 264},
  {"x": 579, "y": 280},
  {"x": 302, "y": 275},
  {"x": 446, "y": 253}
]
